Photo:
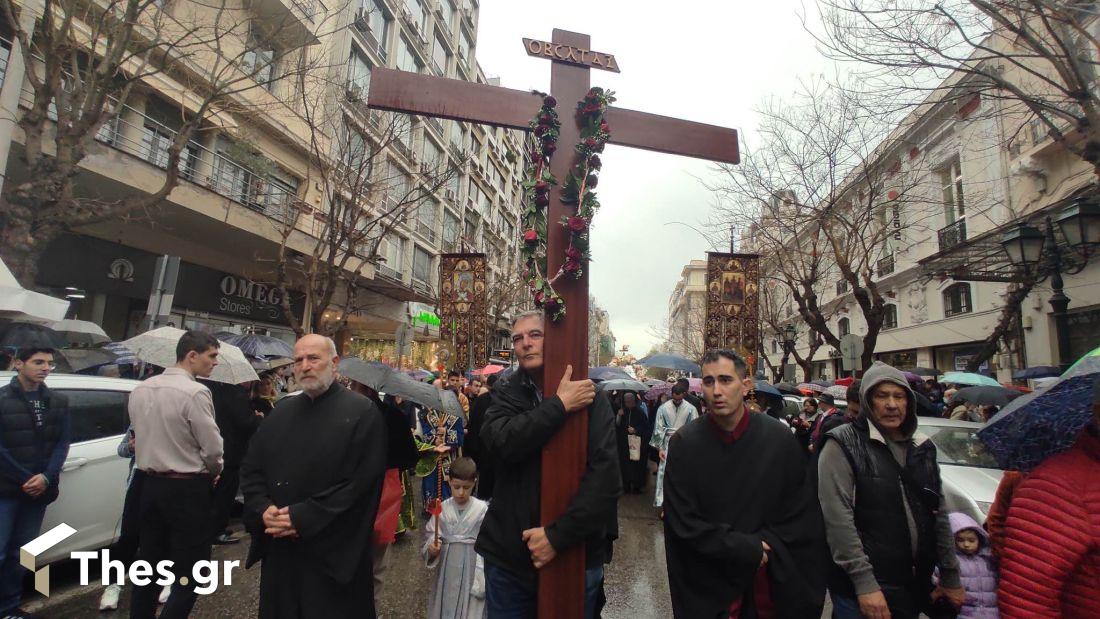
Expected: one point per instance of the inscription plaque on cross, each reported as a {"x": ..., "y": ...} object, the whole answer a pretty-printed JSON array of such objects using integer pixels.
[{"x": 561, "y": 582}]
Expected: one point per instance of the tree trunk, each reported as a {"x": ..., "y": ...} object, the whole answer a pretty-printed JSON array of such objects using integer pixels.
[{"x": 1010, "y": 315}]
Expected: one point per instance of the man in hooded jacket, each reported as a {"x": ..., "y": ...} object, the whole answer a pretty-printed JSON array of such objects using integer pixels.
[{"x": 882, "y": 499}]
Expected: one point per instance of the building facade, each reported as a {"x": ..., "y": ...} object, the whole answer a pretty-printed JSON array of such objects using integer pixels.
[
  {"x": 226, "y": 219},
  {"x": 687, "y": 311},
  {"x": 975, "y": 172}
]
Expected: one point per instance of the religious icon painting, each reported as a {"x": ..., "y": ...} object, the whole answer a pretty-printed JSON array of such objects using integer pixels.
[
  {"x": 733, "y": 303},
  {"x": 463, "y": 309}
]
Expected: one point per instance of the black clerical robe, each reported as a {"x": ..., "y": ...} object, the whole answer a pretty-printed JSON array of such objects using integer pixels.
[
  {"x": 326, "y": 459},
  {"x": 723, "y": 498}
]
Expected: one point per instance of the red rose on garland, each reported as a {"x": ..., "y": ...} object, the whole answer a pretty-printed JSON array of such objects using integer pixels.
[
  {"x": 542, "y": 186},
  {"x": 590, "y": 142},
  {"x": 578, "y": 224},
  {"x": 548, "y": 148},
  {"x": 538, "y": 297},
  {"x": 591, "y": 181},
  {"x": 571, "y": 267},
  {"x": 550, "y": 101},
  {"x": 594, "y": 162},
  {"x": 530, "y": 237},
  {"x": 542, "y": 200},
  {"x": 573, "y": 254}
]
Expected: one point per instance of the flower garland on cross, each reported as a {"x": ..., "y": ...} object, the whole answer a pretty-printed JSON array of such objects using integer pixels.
[{"x": 578, "y": 191}]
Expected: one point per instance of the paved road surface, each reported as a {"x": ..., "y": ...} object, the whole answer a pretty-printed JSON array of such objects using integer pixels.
[{"x": 637, "y": 586}]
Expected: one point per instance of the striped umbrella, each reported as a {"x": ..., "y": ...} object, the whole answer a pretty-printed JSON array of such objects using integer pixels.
[{"x": 811, "y": 387}]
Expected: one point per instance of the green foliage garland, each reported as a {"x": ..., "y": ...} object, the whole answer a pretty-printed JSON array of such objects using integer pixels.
[{"x": 578, "y": 192}]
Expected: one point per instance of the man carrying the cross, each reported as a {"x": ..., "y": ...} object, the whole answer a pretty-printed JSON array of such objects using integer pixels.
[{"x": 519, "y": 423}]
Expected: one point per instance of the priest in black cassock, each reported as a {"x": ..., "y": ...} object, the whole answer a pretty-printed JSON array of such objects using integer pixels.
[
  {"x": 743, "y": 531},
  {"x": 311, "y": 481}
]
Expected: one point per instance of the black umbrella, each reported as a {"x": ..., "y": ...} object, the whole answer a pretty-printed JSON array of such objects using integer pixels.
[
  {"x": 622, "y": 384},
  {"x": 669, "y": 361},
  {"x": 985, "y": 395},
  {"x": 84, "y": 358},
  {"x": 256, "y": 345},
  {"x": 608, "y": 372},
  {"x": 1038, "y": 371},
  {"x": 29, "y": 335},
  {"x": 920, "y": 371},
  {"x": 788, "y": 389}
]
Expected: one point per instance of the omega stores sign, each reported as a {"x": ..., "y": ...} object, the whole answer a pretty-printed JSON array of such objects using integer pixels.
[{"x": 247, "y": 298}]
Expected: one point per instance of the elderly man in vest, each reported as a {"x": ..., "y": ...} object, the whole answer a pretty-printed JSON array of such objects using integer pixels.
[
  {"x": 34, "y": 442},
  {"x": 882, "y": 500}
]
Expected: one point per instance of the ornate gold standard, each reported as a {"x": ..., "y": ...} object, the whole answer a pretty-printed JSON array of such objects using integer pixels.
[
  {"x": 733, "y": 304},
  {"x": 463, "y": 310}
]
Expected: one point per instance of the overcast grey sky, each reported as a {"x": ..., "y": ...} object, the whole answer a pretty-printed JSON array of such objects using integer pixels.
[{"x": 708, "y": 61}]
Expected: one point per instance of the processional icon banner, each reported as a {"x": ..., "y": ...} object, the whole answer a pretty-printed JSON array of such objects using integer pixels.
[
  {"x": 733, "y": 304},
  {"x": 463, "y": 311}
]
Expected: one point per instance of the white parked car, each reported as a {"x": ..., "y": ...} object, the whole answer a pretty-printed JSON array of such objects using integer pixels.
[
  {"x": 970, "y": 474},
  {"x": 93, "y": 479}
]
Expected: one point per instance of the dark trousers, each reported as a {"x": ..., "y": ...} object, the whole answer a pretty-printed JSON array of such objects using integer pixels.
[
  {"x": 175, "y": 526},
  {"x": 509, "y": 596},
  {"x": 125, "y": 549},
  {"x": 20, "y": 522},
  {"x": 225, "y": 493}
]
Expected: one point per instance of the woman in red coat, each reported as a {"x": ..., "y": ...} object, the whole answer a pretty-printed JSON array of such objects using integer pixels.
[{"x": 1050, "y": 566}]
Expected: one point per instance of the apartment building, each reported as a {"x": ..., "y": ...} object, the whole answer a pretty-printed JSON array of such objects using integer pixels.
[
  {"x": 687, "y": 311},
  {"x": 226, "y": 218},
  {"x": 975, "y": 173}
]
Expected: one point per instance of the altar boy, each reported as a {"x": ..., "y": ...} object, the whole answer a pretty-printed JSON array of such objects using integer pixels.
[{"x": 459, "y": 589}]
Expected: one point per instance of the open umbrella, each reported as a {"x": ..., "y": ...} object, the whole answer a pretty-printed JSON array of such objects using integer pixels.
[
  {"x": 158, "y": 347},
  {"x": 811, "y": 387},
  {"x": 788, "y": 389},
  {"x": 256, "y": 345},
  {"x": 419, "y": 374},
  {"x": 18, "y": 303},
  {"x": 29, "y": 335},
  {"x": 84, "y": 358},
  {"x": 838, "y": 392},
  {"x": 968, "y": 378},
  {"x": 608, "y": 372},
  {"x": 81, "y": 332},
  {"x": 381, "y": 377},
  {"x": 124, "y": 356},
  {"x": 985, "y": 395},
  {"x": 487, "y": 370},
  {"x": 823, "y": 382},
  {"x": 1037, "y": 371},
  {"x": 923, "y": 371},
  {"x": 622, "y": 384},
  {"x": 670, "y": 361},
  {"x": 1044, "y": 422},
  {"x": 762, "y": 387}
]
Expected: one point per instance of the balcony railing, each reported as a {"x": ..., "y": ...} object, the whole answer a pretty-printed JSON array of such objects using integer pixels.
[
  {"x": 388, "y": 273},
  {"x": 426, "y": 230},
  {"x": 885, "y": 266},
  {"x": 5, "y": 53},
  {"x": 952, "y": 235},
  {"x": 150, "y": 141}
]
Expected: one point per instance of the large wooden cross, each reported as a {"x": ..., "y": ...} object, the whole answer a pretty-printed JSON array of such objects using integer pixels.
[{"x": 561, "y": 583}]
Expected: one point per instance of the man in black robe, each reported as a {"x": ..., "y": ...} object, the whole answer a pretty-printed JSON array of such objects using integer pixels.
[
  {"x": 743, "y": 532},
  {"x": 312, "y": 480}
]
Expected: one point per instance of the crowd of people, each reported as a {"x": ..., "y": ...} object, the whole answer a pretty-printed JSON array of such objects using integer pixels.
[{"x": 763, "y": 515}]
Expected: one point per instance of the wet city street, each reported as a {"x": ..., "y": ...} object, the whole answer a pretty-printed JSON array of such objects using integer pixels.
[{"x": 636, "y": 587}]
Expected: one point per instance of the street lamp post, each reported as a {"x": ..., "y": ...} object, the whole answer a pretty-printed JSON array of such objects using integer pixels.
[{"x": 1037, "y": 251}]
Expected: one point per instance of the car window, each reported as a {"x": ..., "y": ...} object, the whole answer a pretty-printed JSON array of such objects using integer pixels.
[
  {"x": 960, "y": 447},
  {"x": 97, "y": 414}
]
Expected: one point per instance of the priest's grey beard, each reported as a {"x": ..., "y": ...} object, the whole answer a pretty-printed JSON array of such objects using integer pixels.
[{"x": 325, "y": 380}]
